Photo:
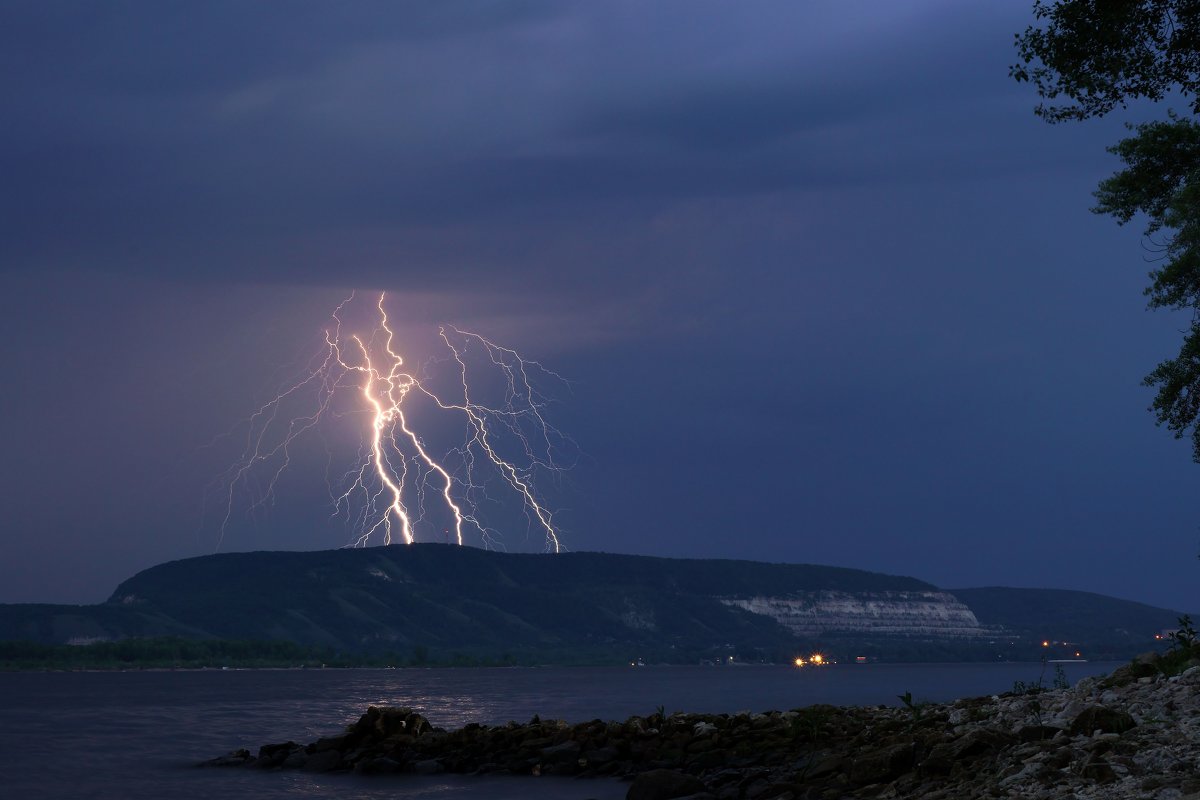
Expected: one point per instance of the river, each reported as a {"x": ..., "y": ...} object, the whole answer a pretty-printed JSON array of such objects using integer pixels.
[{"x": 137, "y": 735}]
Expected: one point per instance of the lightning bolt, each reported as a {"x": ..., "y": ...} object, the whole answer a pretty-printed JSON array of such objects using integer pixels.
[{"x": 506, "y": 441}]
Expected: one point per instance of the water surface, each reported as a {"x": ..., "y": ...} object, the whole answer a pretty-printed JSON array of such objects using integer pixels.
[{"x": 137, "y": 735}]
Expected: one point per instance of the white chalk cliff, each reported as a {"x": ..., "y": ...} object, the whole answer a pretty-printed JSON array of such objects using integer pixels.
[{"x": 920, "y": 613}]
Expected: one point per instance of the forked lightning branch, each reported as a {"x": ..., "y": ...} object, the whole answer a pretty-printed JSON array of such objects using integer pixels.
[{"x": 407, "y": 476}]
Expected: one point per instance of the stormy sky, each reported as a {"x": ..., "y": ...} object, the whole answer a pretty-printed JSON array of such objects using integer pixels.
[{"x": 825, "y": 289}]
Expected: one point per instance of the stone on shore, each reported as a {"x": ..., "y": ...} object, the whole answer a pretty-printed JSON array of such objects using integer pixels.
[
  {"x": 1128, "y": 735},
  {"x": 663, "y": 784}
]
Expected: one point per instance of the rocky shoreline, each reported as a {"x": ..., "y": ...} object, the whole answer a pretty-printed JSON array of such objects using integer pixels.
[{"x": 1133, "y": 734}]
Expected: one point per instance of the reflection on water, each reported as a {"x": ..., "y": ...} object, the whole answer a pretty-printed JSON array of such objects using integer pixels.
[{"x": 136, "y": 735}]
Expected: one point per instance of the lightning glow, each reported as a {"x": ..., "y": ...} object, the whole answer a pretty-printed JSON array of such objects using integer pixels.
[{"x": 405, "y": 476}]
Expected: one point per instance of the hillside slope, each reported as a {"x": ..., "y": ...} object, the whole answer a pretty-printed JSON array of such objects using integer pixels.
[
  {"x": 454, "y": 598},
  {"x": 1100, "y": 625},
  {"x": 445, "y": 603}
]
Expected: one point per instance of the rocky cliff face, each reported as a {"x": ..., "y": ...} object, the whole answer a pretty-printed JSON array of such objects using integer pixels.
[{"x": 897, "y": 613}]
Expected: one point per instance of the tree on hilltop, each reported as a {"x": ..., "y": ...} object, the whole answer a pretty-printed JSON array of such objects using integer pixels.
[{"x": 1089, "y": 57}]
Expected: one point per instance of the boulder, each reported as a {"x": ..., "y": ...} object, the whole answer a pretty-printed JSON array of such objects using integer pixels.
[
  {"x": 1144, "y": 666},
  {"x": 567, "y": 751},
  {"x": 882, "y": 765},
  {"x": 328, "y": 743},
  {"x": 822, "y": 766},
  {"x": 601, "y": 755},
  {"x": 380, "y": 722},
  {"x": 663, "y": 784},
  {"x": 1037, "y": 733},
  {"x": 1099, "y": 770},
  {"x": 1099, "y": 718},
  {"x": 235, "y": 758},
  {"x": 378, "y": 766},
  {"x": 273, "y": 755},
  {"x": 429, "y": 766},
  {"x": 323, "y": 761},
  {"x": 971, "y": 745}
]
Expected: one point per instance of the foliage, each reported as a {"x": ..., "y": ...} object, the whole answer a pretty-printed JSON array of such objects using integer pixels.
[
  {"x": 1100, "y": 54},
  {"x": 1184, "y": 650},
  {"x": 1033, "y": 688},
  {"x": 1103, "y": 53},
  {"x": 1185, "y": 637},
  {"x": 163, "y": 652},
  {"x": 1033, "y": 691},
  {"x": 809, "y": 723},
  {"x": 1161, "y": 181},
  {"x": 170, "y": 652},
  {"x": 916, "y": 710},
  {"x": 1060, "y": 678}
]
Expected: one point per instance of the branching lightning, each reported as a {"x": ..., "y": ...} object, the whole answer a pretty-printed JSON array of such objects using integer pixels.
[{"x": 404, "y": 473}]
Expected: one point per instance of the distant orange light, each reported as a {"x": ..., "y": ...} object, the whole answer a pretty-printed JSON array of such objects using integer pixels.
[
  {"x": 1045, "y": 644},
  {"x": 799, "y": 662},
  {"x": 817, "y": 658},
  {"x": 1077, "y": 654}
]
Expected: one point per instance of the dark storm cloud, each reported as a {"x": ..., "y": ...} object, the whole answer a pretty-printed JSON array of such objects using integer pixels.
[
  {"x": 156, "y": 137},
  {"x": 826, "y": 288},
  {"x": 734, "y": 115},
  {"x": 219, "y": 45}
]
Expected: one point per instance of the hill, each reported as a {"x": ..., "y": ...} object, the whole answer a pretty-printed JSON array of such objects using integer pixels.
[
  {"x": 431, "y": 603},
  {"x": 1095, "y": 625}
]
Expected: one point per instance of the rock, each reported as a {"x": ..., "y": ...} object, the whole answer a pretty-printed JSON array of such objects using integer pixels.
[
  {"x": 273, "y": 755},
  {"x": 663, "y": 784},
  {"x": 429, "y": 766},
  {"x": 378, "y": 766},
  {"x": 971, "y": 745},
  {"x": 1122, "y": 676},
  {"x": 1037, "y": 733},
  {"x": 328, "y": 743},
  {"x": 322, "y": 761},
  {"x": 234, "y": 758},
  {"x": 978, "y": 742},
  {"x": 601, "y": 756},
  {"x": 707, "y": 761},
  {"x": 1098, "y": 770},
  {"x": 777, "y": 793},
  {"x": 1080, "y": 742},
  {"x": 1026, "y": 772},
  {"x": 882, "y": 765},
  {"x": 380, "y": 722},
  {"x": 567, "y": 751},
  {"x": 1100, "y": 718},
  {"x": 1062, "y": 757},
  {"x": 1070, "y": 711},
  {"x": 822, "y": 767},
  {"x": 756, "y": 789}
]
